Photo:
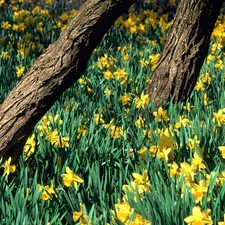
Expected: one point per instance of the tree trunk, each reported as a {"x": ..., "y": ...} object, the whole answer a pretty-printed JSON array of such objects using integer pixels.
[
  {"x": 186, "y": 48},
  {"x": 53, "y": 72}
]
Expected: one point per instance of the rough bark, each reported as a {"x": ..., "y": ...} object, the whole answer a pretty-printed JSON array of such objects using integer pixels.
[
  {"x": 184, "y": 52},
  {"x": 53, "y": 72}
]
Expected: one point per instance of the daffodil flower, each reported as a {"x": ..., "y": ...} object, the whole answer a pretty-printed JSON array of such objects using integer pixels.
[{"x": 70, "y": 178}]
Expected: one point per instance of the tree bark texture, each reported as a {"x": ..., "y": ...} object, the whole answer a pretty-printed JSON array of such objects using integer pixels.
[
  {"x": 53, "y": 72},
  {"x": 185, "y": 50}
]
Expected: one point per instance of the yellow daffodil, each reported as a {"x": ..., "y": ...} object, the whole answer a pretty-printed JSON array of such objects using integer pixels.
[
  {"x": 80, "y": 217},
  {"x": 154, "y": 60},
  {"x": 20, "y": 70},
  {"x": 182, "y": 122},
  {"x": 188, "y": 170},
  {"x": 199, "y": 86},
  {"x": 106, "y": 62},
  {"x": 47, "y": 192},
  {"x": 126, "y": 57},
  {"x": 123, "y": 212},
  {"x": 199, "y": 190},
  {"x": 107, "y": 92},
  {"x": 108, "y": 75},
  {"x": 144, "y": 152},
  {"x": 198, "y": 217},
  {"x": 173, "y": 169},
  {"x": 133, "y": 188},
  {"x": 142, "y": 179},
  {"x": 166, "y": 144},
  {"x": 126, "y": 99},
  {"x": 222, "y": 222},
  {"x": 57, "y": 140},
  {"x": 206, "y": 79},
  {"x": 5, "y": 25},
  {"x": 120, "y": 74},
  {"x": 98, "y": 118},
  {"x": 29, "y": 147},
  {"x": 172, "y": 2},
  {"x": 222, "y": 151},
  {"x": 194, "y": 143},
  {"x": 116, "y": 131},
  {"x": 82, "y": 130},
  {"x": 2, "y": 2},
  {"x": 45, "y": 126},
  {"x": 139, "y": 220},
  {"x": 49, "y": 2},
  {"x": 4, "y": 54},
  {"x": 219, "y": 117},
  {"x": 188, "y": 107},
  {"x": 198, "y": 161},
  {"x": 8, "y": 168},
  {"x": 70, "y": 178},
  {"x": 220, "y": 178},
  {"x": 144, "y": 63},
  {"x": 142, "y": 101},
  {"x": 161, "y": 115},
  {"x": 140, "y": 122}
]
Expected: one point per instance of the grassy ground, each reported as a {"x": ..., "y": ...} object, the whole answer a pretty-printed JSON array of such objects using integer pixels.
[{"x": 93, "y": 159}]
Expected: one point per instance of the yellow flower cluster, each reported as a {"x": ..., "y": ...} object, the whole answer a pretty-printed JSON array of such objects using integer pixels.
[
  {"x": 188, "y": 171},
  {"x": 165, "y": 146},
  {"x": 57, "y": 140},
  {"x": 47, "y": 192},
  {"x": 52, "y": 135},
  {"x": 219, "y": 31},
  {"x": 114, "y": 131},
  {"x": 143, "y": 101},
  {"x": 142, "y": 22},
  {"x": 161, "y": 115},
  {"x": 69, "y": 178},
  {"x": 123, "y": 212}
]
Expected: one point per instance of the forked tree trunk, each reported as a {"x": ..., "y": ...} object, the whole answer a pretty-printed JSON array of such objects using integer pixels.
[
  {"x": 53, "y": 72},
  {"x": 185, "y": 50}
]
